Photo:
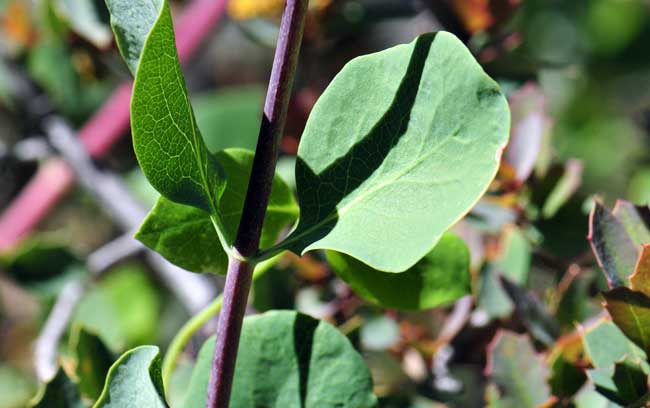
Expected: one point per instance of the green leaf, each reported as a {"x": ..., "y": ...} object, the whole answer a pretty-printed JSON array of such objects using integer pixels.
[
  {"x": 16, "y": 387},
  {"x": 166, "y": 138},
  {"x": 93, "y": 360},
  {"x": 185, "y": 235},
  {"x": 229, "y": 117},
  {"x": 615, "y": 252},
  {"x": 606, "y": 345},
  {"x": 630, "y": 311},
  {"x": 397, "y": 149},
  {"x": 492, "y": 297},
  {"x": 515, "y": 367},
  {"x": 289, "y": 359},
  {"x": 60, "y": 392},
  {"x": 84, "y": 19},
  {"x": 635, "y": 220},
  {"x": 123, "y": 308},
  {"x": 514, "y": 261},
  {"x": 439, "y": 278},
  {"x": 134, "y": 381},
  {"x": 623, "y": 383}
]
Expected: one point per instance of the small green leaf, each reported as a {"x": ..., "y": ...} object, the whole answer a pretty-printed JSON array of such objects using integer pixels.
[
  {"x": 93, "y": 360},
  {"x": 166, "y": 138},
  {"x": 397, "y": 149},
  {"x": 289, "y": 359},
  {"x": 606, "y": 345},
  {"x": 492, "y": 297},
  {"x": 60, "y": 392},
  {"x": 623, "y": 383},
  {"x": 134, "y": 381},
  {"x": 185, "y": 235},
  {"x": 514, "y": 260},
  {"x": 630, "y": 311},
  {"x": 610, "y": 242},
  {"x": 520, "y": 373},
  {"x": 123, "y": 308},
  {"x": 84, "y": 19},
  {"x": 439, "y": 278}
]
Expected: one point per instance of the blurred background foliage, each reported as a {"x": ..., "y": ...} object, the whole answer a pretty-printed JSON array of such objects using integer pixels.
[{"x": 577, "y": 74}]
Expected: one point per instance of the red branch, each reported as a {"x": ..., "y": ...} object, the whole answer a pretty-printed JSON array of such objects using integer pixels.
[{"x": 54, "y": 178}]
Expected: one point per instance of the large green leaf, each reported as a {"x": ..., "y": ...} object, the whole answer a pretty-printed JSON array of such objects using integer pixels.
[
  {"x": 514, "y": 366},
  {"x": 630, "y": 311},
  {"x": 289, "y": 359},
  {"x": 166, "y": 139},
  {"x": 134, "y": 381},
  {"x": 397, "y": 149},
  {"x": 441, "y": 277},
  {"x": 185, "y": 235}
]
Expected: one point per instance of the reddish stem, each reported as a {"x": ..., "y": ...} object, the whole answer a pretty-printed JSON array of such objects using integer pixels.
[
  {"x": 238, "y": 280},
  {"x": 54, "y": 178}
]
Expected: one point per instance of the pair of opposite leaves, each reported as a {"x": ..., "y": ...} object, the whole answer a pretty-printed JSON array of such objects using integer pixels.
[{"x": 397, "y": 149}]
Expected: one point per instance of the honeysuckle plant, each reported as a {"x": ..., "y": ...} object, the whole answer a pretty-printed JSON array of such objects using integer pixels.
[{"x": 398, "y": 148}]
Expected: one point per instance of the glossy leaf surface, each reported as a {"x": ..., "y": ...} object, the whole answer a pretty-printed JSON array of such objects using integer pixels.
[
  {"x": 397, "y": 149},
  {"x": 290, "y": 360},
  {"x": 441, "y": 277}
]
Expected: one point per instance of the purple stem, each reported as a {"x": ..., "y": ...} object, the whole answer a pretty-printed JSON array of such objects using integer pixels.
[{"x": 240, "y": 271}]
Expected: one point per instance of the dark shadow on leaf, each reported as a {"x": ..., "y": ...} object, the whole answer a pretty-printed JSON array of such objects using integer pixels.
[
  {"x": 628, "y": 296},
  {"x": 321, "y": 193},
  {"x": 303, "y": 340}
]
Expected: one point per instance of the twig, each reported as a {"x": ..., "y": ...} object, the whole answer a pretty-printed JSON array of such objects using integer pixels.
[
  {"x": 53, "y": 179},
  {"x": 47, "y": 343},
  {"x": 240, "y": 270},
  {"x": 192, "y": 290}
]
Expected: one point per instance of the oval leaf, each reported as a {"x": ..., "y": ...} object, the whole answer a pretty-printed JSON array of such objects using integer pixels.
[
  {"x": 185, "y": 235},
  {"x": 439, "y": 278},
  {"x": 289, "y": 359},
  {"x": 166, "y": 138},
  {"x": 397, "y": 149},
  {"x": 134, "y": 381}
]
